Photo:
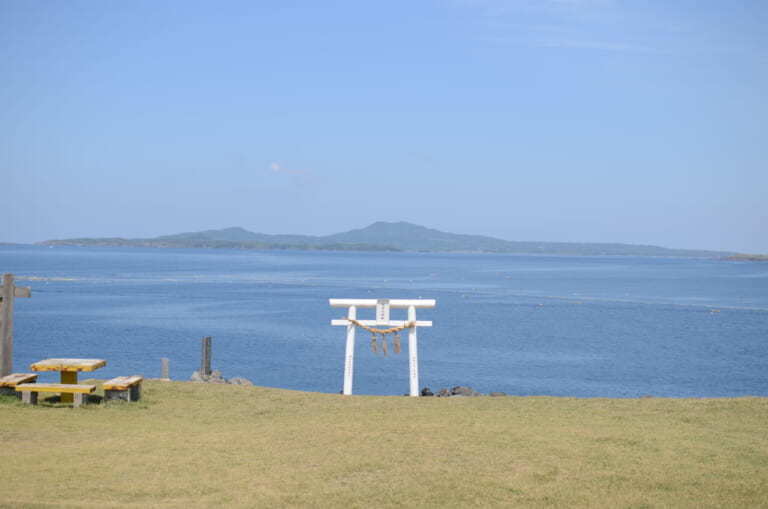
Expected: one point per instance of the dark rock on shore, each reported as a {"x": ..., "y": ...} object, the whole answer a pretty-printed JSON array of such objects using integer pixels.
[
  {"x": 460, "y": 390},
  {"x": 216, "y": 378}
]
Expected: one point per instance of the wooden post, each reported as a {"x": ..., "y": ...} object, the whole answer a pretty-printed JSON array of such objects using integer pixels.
[
  {"x": 205, "y": 361},
  {"x": 67, "y": 377},
  {"x": 6, "y": 327},
  {"x": 164, "y": 369},
  {"x": 7, "y": 294},
  {"x": 413, "y": 346},
  {"x": 349, "y": 358}
]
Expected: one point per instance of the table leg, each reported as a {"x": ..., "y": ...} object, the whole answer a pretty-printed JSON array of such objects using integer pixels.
[{"x": 68, "y": 377}]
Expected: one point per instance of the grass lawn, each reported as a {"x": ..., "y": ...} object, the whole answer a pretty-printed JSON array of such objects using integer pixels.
[{"x": 189, "y": 444}]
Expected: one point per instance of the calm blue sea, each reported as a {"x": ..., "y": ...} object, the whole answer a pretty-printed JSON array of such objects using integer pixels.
[{"x": 525, "y": 325}]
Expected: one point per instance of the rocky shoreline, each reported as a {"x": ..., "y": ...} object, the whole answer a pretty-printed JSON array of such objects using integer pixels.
[
  {"x": 457, "y": 391},
  {"x": 747, "y": 258},
  {"x": 216, "y": 378}
]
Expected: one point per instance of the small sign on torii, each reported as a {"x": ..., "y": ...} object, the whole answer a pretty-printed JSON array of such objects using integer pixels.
[
  {"x": 8, "y": 292},
  {"x": 382, "y": 319}
]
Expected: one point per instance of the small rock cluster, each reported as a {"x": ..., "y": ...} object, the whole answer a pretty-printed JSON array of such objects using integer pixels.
[
  {"x": 216, "y": 378},
  {"x": 459, "y": 390}
]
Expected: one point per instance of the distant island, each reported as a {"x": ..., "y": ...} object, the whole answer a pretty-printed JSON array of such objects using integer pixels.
[{"x": 384, "y": 236}]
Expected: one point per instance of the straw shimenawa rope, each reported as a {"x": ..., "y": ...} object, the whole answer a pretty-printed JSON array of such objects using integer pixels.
[
  {"x": 383, "y": 333},
  {"x": 374, "y": 330}
]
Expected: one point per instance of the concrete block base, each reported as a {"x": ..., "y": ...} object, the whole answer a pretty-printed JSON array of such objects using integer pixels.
[
  {"x": 29, "y": 397},
  {"x": 133, "y": 393},
  {"x": 80, "y": 399}
]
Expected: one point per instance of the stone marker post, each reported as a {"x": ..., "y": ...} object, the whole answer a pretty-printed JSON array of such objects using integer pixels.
[
  {"x": 205, "y": 360},
  {"x": 164, "y": 369}
]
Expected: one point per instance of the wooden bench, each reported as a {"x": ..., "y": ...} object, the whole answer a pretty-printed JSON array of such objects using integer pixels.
[
  {"x": 81, "y": 391},
  {"x": 9, "y": 382},
  {"x": 126, "y": 388}
]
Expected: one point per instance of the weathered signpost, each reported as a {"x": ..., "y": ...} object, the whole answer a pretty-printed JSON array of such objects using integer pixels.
[
  {"x": 205, "y": 357},
  {"x": 165, "y": 371},
  {"x": 8, "y": 293},
  {"x": 383, "y": 307}
]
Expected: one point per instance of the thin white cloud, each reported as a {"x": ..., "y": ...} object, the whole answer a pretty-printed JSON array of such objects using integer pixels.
[
  {"x": 572, "y": 24},
  {"x": 279, "y": 168},
  {"x": 598, "y": 45},
  {"x": 501, "y": 7},
  {"x": 655, "y": 26}
]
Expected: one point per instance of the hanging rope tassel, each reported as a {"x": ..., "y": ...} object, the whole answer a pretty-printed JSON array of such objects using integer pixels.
[{"x": 384, "y": 332}]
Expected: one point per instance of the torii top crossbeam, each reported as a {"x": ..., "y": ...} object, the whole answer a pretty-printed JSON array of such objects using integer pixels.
[
  {"x": 393, "y": 303},
  {"x": 382, "y": 319}
]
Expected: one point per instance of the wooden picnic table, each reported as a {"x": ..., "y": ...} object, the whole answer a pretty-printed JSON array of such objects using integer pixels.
[{"x": 68, "y": 369}]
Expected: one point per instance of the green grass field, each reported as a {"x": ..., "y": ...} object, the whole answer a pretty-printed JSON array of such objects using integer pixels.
[{"x": 191, "y": 444}]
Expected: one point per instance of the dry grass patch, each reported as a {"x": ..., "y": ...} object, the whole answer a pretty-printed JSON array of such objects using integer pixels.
[{"x": 202, "y": 445}]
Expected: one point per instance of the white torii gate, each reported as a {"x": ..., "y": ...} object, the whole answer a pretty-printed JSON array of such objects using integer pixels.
[{"x": 382, "y": 319}]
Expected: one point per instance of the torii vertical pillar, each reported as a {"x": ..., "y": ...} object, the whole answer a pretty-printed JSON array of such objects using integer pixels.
[
  {"x": 382, "y": 319},
  {"x": 413, "y": 352},
  {"x": 349, "y": 353},
  {"x": 8, "y": 293}
]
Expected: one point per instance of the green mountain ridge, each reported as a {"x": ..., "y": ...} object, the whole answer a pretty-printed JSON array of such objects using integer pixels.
[{"x": 384, "y": 236}]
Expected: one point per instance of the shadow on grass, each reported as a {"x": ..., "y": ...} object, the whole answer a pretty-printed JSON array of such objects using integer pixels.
[{"x": 94, "y": 401}]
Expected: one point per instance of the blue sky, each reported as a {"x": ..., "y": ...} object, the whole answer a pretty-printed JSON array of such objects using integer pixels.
[{"x": 563, "y": 120}]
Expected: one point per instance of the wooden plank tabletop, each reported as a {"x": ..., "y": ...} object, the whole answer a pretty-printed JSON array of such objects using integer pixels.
[
  {"x": 122, "y": 383},
  {"x": 71, "y": 388},
  {"x": 16, "y": 378},
  {"x": 68, "y": 365}
]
